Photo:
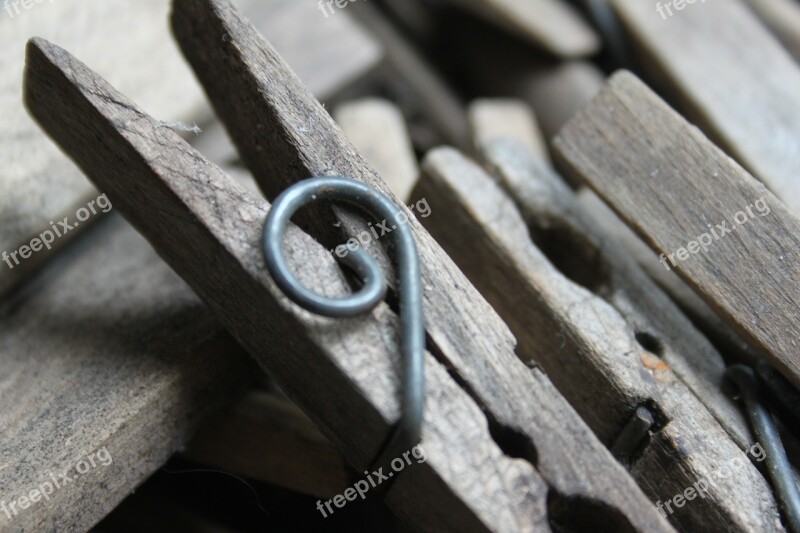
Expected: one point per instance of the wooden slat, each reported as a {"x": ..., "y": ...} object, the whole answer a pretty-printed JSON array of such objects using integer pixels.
[
  {"x": 38, "y": 183},
  {"x": 582, "y": 333},
  {"x": 112, "y": 352},
  {"x": 727, "y": 341},
  {"x": 301, "y": 140},
  {"x": 327, "y": 55},
  {"x": 498, "y": 66},
  {"x": 492, "y": 119},
  {"x": 552, "y": 25},
  {"x": 557, "y": 220},
  {"x": 606, "y": 226},
  {"x": 378, "y": 131},
  {"x": 704, "y": 56},
  {"x": 543, "y": 199},
  {"x": 666, "y": 180},
  {"x": 341, "y": 372}
]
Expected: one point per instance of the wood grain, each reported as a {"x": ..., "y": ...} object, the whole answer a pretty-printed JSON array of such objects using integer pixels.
[
  {"x": 699, "y": 58},
  {"x": 588, "y": 337},
  {"x": 341, "y": 372},
  {"x": 726, "y": 340},
  {"x": 113, "y": 351},
  {"x": 378, "y": 130},
  {"x": 562, "y": 228},
  {"x": 328, "y": 55},
  {"x": 666, "y": 180},
  {"x": 145, "y": 64},
  {"x": 555, "y": 89},
  {"x": 298, "y": 139}
]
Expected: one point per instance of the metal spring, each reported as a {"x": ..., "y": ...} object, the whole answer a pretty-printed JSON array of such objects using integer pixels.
[
  {"x": 778, "y": 467},
  {"x": 338, "y": 189}
]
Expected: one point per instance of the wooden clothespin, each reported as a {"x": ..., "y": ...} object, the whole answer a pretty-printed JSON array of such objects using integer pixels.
[
  {"x": 610, "y": 340},
  {"x": 722, "y": 231},
  {"x": 343, "y": 372}
]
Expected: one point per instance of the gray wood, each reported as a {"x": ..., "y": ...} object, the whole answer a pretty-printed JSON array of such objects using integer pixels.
[
  {"x": 39, "y": 184},
  {"x": 301, "y": 140},
  {"x": 340, "y": 372},
  {"x": 329, "y": 53},
  {"x": 557, "y": 92},
  {"x": 729, "y": 75},
  {"x": 669, "y": 182},
  {"x": 727, "y": 341},
  {"x": 114, "y": 352},
  {"x": 558, "y": 221},
  {"x": 583, "y": 336}
]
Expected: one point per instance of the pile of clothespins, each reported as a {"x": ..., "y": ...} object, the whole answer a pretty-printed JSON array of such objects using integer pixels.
[{"x": 536, "y": 270}]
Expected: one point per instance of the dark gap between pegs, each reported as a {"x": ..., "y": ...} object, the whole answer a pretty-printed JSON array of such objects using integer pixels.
[
  {"x": 574, "y": 255},
  {"x": 577, "y": 514},
  {"x": 511, "y": 441},
  {"x": 650, "y": 342}
]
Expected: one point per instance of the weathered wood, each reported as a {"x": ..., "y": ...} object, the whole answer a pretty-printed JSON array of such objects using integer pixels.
[
  {"x": 113, "y": 352},
  {"x": 586, "y": 327},
  {"x": 699, "y": 57},
  {"x": 783, "y": 18},
  {"x": 552, "y": 25},
  {"x": 377, "y": 129},
  {"x": 673, "y": 186},
  {"x": 504, "y": 118},
  {"x": 725, "y": 339},
  {"x": 39, "y": 184},
  {"x": 347, "y": 364},
  {"x": 299, "y": 139},
  {"x": 341, "y": 372},
  {"x": 268, "y": 438},
  {"x": 558, "y": 224},
  {"x": 327, "y": 54},
  {"x": 611, "y": 228}
]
